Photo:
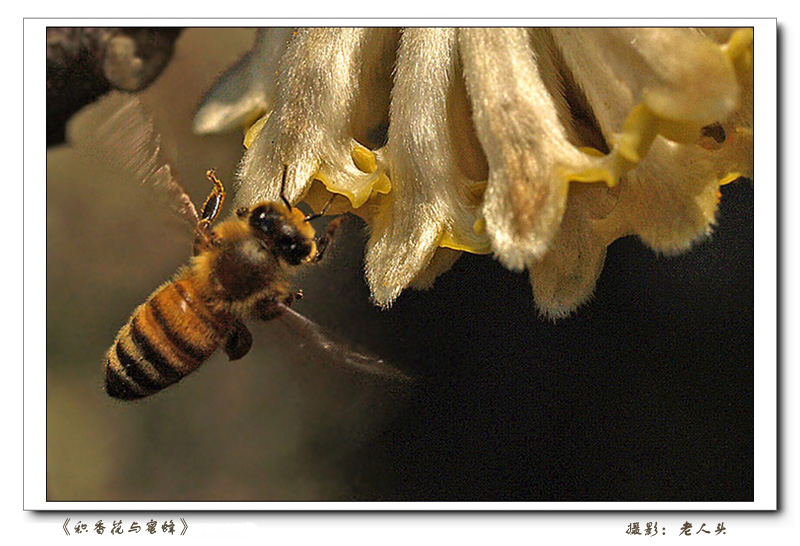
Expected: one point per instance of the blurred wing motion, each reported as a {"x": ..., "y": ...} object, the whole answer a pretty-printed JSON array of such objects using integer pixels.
[
  {"x": 119, "y": 131},
  {"x": 314, "y": 338}
]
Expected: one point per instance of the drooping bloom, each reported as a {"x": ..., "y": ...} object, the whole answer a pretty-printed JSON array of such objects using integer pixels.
[{"x": 539, "y": 146}]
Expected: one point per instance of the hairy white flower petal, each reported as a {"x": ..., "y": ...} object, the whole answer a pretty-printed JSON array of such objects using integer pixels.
[
  {"x": 720, "y": 35},
  {"x": 735, "y": 157},
  {"x": 670, "y": 199},
  {"x": 565, "y": 276},
  {"x": 441, "y": 261},
  {"x": 735, "y": 154},
  {"x": 430, "y": 194},
  {"x": 247, "y": 89},
  {"x": 679, "y": 74},
  {"x": 530, "y": 157},
  {"x": 541, "y": 146},
  {"x": 309, "y": 131}
]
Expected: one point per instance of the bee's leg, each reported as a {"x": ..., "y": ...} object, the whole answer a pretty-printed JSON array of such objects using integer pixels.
[
  {"x": 239, "y": 341},
  {"x": 205, "y": 237},
  {"x": 325, "y": 239},
  {"x": 214, "y": 200},
  {"x": 292, "y": 297},
  {"x": 268, "y": 308}
]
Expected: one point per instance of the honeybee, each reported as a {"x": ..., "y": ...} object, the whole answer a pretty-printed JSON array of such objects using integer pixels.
[{"x": 240, "y": 269}]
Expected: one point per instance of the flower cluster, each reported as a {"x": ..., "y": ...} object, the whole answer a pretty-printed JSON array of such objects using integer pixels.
[{"x": 540, "y": 146}]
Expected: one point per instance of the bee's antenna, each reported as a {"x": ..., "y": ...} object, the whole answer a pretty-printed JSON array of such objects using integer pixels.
[
  {"x": 283, "y": 186},
  {"x": 324, "y": 209}
]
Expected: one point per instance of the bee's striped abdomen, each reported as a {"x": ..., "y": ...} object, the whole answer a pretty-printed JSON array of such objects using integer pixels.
[{"x": 167, "y": 337}]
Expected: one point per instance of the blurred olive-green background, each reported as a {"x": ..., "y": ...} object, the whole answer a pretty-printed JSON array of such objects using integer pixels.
[
  {"x": 268, "y": 427},
  {"x": 646, "y": 394}
]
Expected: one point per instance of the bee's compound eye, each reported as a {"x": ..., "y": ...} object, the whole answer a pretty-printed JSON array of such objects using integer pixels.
[
  {"x": 257, "y": 214},
  {"x": 264, "y": 219}
]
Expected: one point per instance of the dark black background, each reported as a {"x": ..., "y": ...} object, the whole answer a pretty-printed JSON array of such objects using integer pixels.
[{"x": 645, "y": 394}]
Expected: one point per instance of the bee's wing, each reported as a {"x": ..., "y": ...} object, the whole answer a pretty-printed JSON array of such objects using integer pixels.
[
  {"x": 119, "y": 131},
  {"x": 313, "y": 338}
]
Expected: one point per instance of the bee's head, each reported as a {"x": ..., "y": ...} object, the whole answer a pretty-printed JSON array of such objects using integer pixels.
[{"x": 282, "y": 228}]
